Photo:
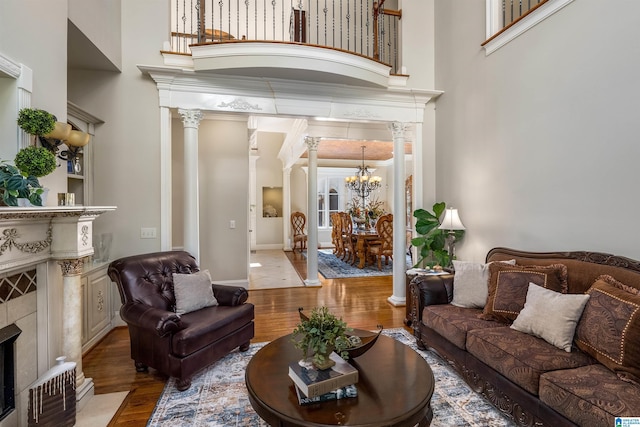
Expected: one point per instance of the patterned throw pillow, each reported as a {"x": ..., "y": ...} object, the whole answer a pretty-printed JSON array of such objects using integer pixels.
[
  {"x": 508, "y": 286},
  {"x": 193, "y": 291},
  {"x": 609, "y": 329}
]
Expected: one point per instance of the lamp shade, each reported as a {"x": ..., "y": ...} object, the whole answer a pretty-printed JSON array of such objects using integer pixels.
[
  {"x": 451, "y": 220},
  {"x": 77, "y": 138},
  {"x": 60, "y": 131}
]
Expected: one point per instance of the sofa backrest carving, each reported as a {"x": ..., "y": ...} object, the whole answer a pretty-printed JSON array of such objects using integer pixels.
[{"x": 583, "y": 267}]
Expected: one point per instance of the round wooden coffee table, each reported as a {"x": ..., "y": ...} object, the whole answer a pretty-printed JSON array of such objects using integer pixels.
[{"x": 395, "y": 386}]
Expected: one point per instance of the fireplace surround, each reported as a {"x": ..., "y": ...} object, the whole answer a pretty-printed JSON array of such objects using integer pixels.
[{"x": 42, "y": 253}]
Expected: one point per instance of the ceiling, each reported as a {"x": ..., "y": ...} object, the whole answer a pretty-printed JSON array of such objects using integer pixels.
[{"x": 352, "y": 150}]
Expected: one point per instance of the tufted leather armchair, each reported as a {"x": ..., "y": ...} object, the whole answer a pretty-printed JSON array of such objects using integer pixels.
[{"x": 177, "y": 345}]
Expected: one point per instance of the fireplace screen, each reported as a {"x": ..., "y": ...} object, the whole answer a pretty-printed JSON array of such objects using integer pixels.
[{"x": 8, "y": 336}]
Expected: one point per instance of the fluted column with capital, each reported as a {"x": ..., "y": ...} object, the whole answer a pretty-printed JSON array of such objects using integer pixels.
[
  {"x": 191, "y": 121},
  {"x": 312, "y": 212},
  {"x": 399, "y": 296},
  {"x": 72, "y": 321}
]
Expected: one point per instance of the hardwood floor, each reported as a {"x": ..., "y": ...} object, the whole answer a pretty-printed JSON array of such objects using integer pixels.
[{"x": 362, "y": 303}]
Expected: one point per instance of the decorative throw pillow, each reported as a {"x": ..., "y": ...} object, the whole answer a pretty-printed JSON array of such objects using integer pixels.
[
  {"x": 610, "y": 327},
  {"x": 193, "y": 291},
  {"x": 508, "y": 286},
  {"x": 551, "y": 315},
  {"x": 470, "y": 283}
]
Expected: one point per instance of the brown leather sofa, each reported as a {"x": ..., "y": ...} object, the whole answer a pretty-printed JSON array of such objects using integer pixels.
[
  {"x": 527, "y": 378},
  {"x": 177, "y": 345}
]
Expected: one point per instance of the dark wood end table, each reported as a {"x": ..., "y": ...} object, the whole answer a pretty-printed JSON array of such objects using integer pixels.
[{"x": 395, "y": 386}]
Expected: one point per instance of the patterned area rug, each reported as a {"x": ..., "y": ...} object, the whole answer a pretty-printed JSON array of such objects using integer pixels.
[
  {"x": 332, "y": 267},
  {"x": 218, "y": 396}
]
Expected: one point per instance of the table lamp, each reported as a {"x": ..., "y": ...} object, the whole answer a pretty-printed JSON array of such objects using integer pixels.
[{"x": 451, "y": 222}]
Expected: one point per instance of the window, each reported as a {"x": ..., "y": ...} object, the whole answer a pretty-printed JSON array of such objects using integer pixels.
[
  {"x": 332, "y": 193},
  {"x": 507, "y": 19}
]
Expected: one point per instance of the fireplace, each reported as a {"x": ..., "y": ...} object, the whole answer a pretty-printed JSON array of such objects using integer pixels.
[{"x": 8, "y": 336}]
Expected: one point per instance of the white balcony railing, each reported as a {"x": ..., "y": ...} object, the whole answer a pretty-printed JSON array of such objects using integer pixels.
[{"x": 362, "y": 27}]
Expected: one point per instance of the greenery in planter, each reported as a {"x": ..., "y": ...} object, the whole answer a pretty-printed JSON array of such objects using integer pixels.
[
  {"x": 35, "y": 161},
  {"x": 432, "y": 240},
  {"x": 321, "y": 333},
  {"x": 35, "y": 121},
  {"x": 14, "y": 185}
]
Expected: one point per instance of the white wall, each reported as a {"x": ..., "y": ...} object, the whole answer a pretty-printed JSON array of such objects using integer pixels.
[
  {"x": 269, "y": 231},
  {"x": 38, "y": 41},
  {"x": 537, "y": 143},
  {"x": 223, "y": 168},
  {"x": 99, "y": 21},
  {"x": 127, "y": 147}
]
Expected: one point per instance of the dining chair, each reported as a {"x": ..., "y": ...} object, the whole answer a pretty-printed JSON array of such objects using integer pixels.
[
  {"x": 348, "y": 247},
  {"x": 384, "y": 245},
  {"x": 298, "y": 222},
  {"x": 336, "y": 237}
]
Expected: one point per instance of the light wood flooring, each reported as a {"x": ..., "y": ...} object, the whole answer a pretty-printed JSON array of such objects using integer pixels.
[{"x": 362, "y": 303}]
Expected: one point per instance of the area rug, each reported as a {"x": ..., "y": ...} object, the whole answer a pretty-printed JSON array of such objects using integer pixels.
[
  {"x": 218, "y": 396},
  {"x": 332, "y": 267}
]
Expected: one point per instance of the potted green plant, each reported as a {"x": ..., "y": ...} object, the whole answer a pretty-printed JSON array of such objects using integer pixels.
[
  {"x": 319, "y": 335},
  {"x": 431, "y": 242},
  {"x": 20, "y": 182},
  {"x": 14, "y": 186}
]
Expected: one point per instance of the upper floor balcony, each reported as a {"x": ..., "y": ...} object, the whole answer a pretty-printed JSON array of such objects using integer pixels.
[{"x": 332, "y": 41}]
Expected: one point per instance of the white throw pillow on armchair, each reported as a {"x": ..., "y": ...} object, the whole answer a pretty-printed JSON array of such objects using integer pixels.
[{"x": 470, "y": 283}]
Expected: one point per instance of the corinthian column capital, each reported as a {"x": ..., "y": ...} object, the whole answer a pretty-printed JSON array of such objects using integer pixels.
[
  {"x": 398, "y": 129},
  {"x": 71, "y": 267},
  {"x": 190, "y": 118},
  {"x": 312, "y": 142}
]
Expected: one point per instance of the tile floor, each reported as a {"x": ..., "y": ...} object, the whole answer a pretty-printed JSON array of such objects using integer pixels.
[{"x": 271, "y": 269}]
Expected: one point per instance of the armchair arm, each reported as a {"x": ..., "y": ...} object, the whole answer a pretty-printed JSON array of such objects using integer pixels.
[
  {"x": 151, "y": 318},
  {"x": 230, "y": 295},
  {"x": 429, "y": 290}
]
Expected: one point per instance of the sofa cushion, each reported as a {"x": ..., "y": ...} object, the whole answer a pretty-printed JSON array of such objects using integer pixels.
[
  {"x": 609, "y": 329},
  {"x": 589, "y": 395},
  {"x": 521, "y": 357},
  {"x": 453, "y": 322},
  {"x": 470, "y": 283},
  {"x": 206, "y": 326},
  {"x": 550, "y": 315},
  {"x": 193, "y": 291},
  {"x": 508, "y": 286}
]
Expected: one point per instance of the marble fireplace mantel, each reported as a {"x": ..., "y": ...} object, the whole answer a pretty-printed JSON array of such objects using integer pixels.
[
  {"x": 33, "y": 235},
  {"x": 41, "y": 237}
]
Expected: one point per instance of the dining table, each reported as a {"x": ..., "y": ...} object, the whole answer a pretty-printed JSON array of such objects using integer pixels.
[{"x": 362, "y": 239}]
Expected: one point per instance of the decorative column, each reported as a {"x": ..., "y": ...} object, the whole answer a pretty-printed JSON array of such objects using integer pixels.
[
  {"x": 166, "y": 178},
  {"x": 399, "y": 222},
  {"x": 286, "y": 208},
  {"x": 191, "y": 120},
  {"x": 312, "y": 212},
  {"x": 72, "y": 323}
]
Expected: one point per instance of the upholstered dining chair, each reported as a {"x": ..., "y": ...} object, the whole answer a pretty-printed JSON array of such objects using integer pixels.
[
  {"x": 336, "y": 237},
  {"x": 179, "y": 322},
  {"x": 348, "y": 249},
  {"x": 298, "y": 222},
  {"x": 384, "y": 246}
]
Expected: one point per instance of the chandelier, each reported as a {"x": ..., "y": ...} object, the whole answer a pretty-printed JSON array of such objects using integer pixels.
[{"x": 363, "y": 183}]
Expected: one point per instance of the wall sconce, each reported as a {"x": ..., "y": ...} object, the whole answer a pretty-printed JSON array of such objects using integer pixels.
[
  {"x": 63, "y": 133},
  {"x": 451, "y": 222}
]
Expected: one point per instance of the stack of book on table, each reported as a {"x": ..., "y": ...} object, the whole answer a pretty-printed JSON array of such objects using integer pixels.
[{"x": 314, "y": 385}]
